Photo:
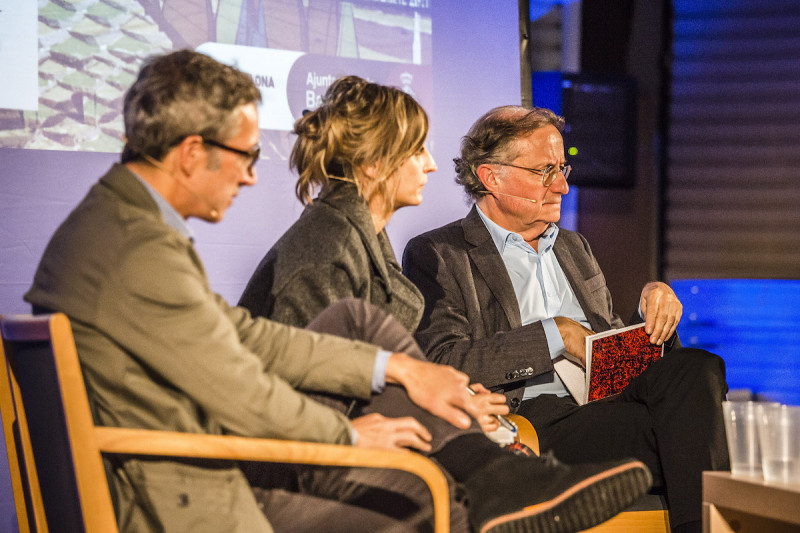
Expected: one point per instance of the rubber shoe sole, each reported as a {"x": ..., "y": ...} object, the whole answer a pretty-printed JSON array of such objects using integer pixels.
[{"x": 590, "y": 502}]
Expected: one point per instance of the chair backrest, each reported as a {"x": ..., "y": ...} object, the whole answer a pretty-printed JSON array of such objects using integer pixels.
[
  {"x": 64, "y": 468},
  {"x": 24, "y": 481}
]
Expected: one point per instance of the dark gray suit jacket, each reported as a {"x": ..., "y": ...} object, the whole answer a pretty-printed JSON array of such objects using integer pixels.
[{"x": 472, "y": 319}]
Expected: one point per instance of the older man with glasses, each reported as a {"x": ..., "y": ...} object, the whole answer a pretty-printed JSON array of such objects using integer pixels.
[{"x": 510, "y": 298}]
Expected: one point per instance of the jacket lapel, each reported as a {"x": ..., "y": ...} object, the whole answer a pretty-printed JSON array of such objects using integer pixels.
[
  {"x": 487, "y": 260},
  {"x": 577, "y": 281},
  {"x": 343, "y": 196}
]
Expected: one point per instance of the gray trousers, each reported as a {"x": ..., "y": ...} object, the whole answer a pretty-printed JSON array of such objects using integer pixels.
[{"x": 299, "y": 498}]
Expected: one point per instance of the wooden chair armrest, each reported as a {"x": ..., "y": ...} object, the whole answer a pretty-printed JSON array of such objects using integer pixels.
[
  {"x": 171, "y": 443},
  {"x": 174, "y": 444}
]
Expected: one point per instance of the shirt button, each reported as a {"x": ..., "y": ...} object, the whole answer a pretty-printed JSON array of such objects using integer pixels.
[{"x": 514, "y": 402}]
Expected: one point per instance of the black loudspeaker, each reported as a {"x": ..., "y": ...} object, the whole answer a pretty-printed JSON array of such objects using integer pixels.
[{"x": 600, "y": 131}]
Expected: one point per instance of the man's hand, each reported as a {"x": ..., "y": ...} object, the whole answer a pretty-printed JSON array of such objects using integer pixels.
[
  {"x": 662, "y": 311},
  {"x": 485, "y": 406},
  {"x": 377, "y": 431},
  {"x": 574, "y": 335},
  {"x": 440, "y": 389}
]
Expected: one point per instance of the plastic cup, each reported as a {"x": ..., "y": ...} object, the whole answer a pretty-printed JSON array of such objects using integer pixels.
[
  {"x": 779, "y": 437},
  {"x": 741, "y": 430}
]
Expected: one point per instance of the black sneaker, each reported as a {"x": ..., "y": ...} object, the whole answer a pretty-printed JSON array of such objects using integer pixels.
[{"x": 540, "y": 495}]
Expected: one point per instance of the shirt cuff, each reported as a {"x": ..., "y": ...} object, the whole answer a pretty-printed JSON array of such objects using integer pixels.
[
  {"x": 353, "y": 436},
  {"x": 379, "y": 371},
  {"x": 554, "y": 340}
]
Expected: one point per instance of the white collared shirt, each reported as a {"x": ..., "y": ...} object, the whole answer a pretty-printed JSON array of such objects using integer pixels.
[{"x": 542, "y": 292}]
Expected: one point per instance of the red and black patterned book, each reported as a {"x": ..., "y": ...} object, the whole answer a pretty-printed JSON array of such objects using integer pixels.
[{"x": 615, "y": 357}]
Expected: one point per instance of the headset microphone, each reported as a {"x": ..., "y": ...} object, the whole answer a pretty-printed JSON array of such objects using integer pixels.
[{"x": 531, "y": 200}]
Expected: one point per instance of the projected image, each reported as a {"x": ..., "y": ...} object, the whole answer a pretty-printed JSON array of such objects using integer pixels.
[{"x": 68, "y": 62}]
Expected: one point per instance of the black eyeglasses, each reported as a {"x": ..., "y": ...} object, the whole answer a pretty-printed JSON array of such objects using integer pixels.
[
  {"x": 251, "y": 155},
  {"x": 548, "y": 173}
]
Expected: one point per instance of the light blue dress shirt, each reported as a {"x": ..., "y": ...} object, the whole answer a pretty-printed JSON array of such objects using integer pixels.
[
  {"x": 542, "y": 291},
  {"x": 171, "y": 217}
]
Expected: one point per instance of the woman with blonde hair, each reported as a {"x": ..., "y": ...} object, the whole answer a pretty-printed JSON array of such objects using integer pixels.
[{"x": 364, "y": 150}]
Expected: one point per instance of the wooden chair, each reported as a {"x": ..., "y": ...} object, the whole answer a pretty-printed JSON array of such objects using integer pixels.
[
  {"x": 648, "y": 515},
  {"x": 55, "y": 451}
]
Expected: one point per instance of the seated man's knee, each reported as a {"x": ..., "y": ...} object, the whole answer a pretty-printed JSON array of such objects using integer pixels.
[
  {"x": 345, "y": 317},
  {"x": 702, "y": 359},
  {"x": 355, "y": 318},
  {"x": 702, "y": 364}
]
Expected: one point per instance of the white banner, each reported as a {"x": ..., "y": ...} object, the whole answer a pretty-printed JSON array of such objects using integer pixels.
[
  {"x": 19, "y": 65},
  {"x": 270, "y": 71}
]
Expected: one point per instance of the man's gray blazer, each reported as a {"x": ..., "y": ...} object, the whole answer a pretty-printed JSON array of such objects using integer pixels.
[{"x": 472, "y": 320}]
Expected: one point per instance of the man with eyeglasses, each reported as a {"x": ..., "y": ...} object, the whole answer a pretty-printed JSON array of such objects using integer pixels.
[{"x": 508, "y": 294}]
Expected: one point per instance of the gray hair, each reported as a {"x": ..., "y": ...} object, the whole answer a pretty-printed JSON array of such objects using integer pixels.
[
  {"x": 180, "y": 94},
  {"x": 494, "y": 138}
]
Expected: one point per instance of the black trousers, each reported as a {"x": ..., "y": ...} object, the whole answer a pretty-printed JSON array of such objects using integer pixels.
[
  {"x": 670, "y": 418},
  {"x": 297, "y": 498}
]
